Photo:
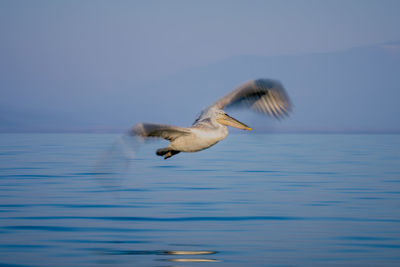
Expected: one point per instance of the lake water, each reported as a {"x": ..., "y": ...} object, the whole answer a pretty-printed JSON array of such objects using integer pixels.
[{"x": 251, "y": 200}]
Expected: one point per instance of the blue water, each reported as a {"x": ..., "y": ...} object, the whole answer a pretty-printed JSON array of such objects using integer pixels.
[{"x": 251, "y": 200}]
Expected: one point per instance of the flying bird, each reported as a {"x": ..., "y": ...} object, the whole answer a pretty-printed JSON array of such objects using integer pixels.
[{"x": 265, "y": 96}]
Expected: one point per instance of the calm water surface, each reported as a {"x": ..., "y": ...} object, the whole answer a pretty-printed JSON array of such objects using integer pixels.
[{"x": 252, "y": 200}]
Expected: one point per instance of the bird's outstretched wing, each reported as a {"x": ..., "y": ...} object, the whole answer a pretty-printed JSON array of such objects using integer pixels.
[
  {"x": 263, "y": 95},
  {"x": 167, "y": 132}
]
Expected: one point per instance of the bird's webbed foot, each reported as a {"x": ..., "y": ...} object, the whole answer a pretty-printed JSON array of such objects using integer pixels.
[{"x": 170, "y": 153}]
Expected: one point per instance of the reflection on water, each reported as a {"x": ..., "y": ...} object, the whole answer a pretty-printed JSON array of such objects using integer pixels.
[
  {"x": 177, "y": 252},
  {"x": 192, "y": 260},
  {"x": 162, "y": 252},
  {"x": 253, "y": 200},
  {"x": 170, "y": 253}
]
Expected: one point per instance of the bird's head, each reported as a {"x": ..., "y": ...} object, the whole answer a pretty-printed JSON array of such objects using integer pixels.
[{"x": 222, "y": 118}]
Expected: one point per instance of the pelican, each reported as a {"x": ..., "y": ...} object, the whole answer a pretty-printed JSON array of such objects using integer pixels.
[{"x": 265, "y": 96}]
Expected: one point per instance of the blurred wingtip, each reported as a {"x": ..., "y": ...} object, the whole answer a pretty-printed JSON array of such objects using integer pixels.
[{"x": 114, "y": 163}]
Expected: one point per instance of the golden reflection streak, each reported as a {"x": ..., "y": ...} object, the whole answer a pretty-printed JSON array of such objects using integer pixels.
[
  {"x": 192, "y": 260},
  {"x": 188, "y": 252}
]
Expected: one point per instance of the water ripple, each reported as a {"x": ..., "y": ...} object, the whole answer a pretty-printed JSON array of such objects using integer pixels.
[
  {"x": 33, "y": 176},
  {"x": 76, "y": 229},
  {"x": 206, "y": 218},
  {"x": 170, "y": 219}
]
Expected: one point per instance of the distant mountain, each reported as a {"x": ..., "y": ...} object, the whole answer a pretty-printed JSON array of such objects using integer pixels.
[{"x": 355, "y": 90}]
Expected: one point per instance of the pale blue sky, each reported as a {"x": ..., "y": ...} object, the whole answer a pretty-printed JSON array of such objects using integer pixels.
[{"x": 78, "y": 51}]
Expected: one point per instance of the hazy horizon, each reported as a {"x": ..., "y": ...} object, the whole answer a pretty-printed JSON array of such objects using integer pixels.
[{"x": 97, "y": 66}]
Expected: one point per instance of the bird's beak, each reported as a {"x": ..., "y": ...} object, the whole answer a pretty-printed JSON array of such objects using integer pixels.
[{"x": 228, "y": 120}]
